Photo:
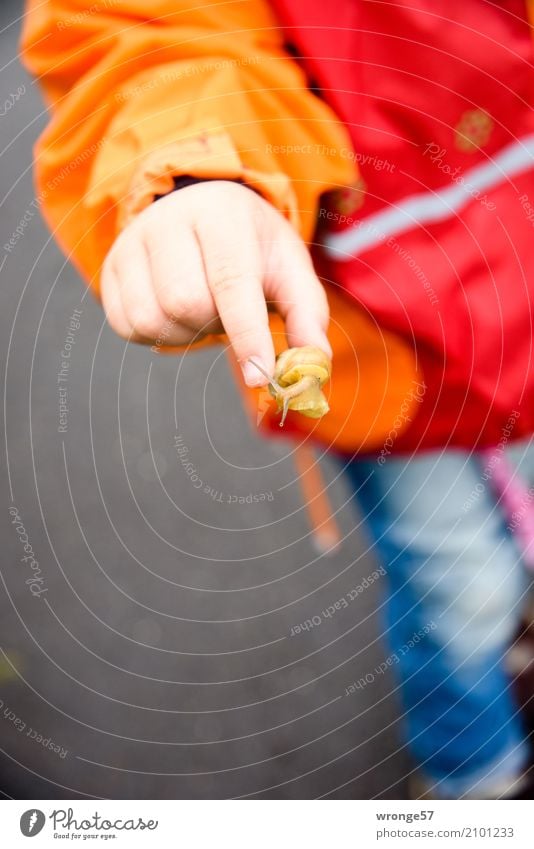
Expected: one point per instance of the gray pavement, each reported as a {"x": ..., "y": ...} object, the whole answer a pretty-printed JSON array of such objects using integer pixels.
[{"x": 159, "y": 663}]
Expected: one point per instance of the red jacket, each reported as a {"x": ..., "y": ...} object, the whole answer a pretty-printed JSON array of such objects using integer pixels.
[{"x": 437, "y": 97}]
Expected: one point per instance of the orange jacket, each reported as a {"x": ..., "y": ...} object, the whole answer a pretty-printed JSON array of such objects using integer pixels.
[{"x": 142, "y": 92}]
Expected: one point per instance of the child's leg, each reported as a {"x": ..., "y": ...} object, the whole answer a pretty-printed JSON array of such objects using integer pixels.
[{"x": 454, "y": 572}]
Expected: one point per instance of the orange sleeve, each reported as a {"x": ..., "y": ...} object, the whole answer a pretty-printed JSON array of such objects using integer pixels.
[{"x": 140, "y": 92}]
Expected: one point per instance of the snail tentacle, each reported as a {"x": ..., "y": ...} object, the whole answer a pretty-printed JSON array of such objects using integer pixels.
[{"x": 271, "y": 380}]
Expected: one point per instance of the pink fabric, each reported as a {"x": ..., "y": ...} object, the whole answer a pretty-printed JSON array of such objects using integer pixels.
[{"x": 516, "y": 500}]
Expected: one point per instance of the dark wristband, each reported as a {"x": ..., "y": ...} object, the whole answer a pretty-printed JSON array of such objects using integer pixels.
[{"x": 187, "y": 180}]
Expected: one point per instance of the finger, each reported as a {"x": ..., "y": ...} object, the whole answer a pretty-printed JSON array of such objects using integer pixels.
[
  {"x": 233, "y": 268},
  {"x": 148, "y": 321},
  {"x": 112, "y": 303},
  {"x": 298, "y": 293},
  {"x": 119, "y": 322},
  {"x": 180, "y": 283}
]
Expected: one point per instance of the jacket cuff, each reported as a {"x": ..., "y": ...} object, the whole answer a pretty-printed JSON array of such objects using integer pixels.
[{"x": 209, "y": 156}]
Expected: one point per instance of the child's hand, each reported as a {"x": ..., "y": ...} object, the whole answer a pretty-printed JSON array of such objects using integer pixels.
[{"x": 207, "y": 258}]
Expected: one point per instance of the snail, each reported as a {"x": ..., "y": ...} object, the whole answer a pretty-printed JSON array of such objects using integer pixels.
[{"x": 299, "y": 375}]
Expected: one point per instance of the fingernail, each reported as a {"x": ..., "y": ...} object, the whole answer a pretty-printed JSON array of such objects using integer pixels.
[{"x": 255, "y": 375}]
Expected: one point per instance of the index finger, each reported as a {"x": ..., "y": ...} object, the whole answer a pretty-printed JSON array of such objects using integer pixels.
[{"x": 234, "y": 271}]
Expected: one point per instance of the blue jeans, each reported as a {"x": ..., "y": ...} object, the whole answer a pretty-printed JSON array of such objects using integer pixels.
[{"x": 454, "y": 576}]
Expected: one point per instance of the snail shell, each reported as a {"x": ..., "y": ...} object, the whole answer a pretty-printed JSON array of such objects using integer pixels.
[{"x": 299, "y": 375}]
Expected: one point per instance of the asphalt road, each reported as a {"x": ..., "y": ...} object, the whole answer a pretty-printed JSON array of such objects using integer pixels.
[{"x": 154, "y": 656}]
